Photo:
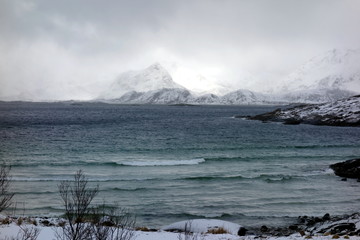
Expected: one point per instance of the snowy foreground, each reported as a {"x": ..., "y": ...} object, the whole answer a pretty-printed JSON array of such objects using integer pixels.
[{"x": 12, "y": 230}]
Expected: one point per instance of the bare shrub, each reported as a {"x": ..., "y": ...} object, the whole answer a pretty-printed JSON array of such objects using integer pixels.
[
  {"x": 5, "y": 180},
  {"x": 76, "y": 197},
  {"x": 26, "y": 233},
  {"x": 113, "y": 223},
  {"x": 86, "y": 223},
  {"x": 188, "y": 234}
]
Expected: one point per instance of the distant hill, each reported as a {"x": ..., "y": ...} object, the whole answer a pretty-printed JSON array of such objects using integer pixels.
[{"x": 343, "y": 112}]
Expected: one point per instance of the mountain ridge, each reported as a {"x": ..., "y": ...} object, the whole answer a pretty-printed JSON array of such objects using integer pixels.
[{"x": 328, "y": 77}]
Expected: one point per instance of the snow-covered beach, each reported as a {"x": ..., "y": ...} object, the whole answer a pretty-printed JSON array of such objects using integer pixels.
[{"x": 346, "y": 227}]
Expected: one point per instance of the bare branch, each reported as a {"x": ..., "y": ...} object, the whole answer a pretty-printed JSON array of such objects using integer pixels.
[
  {"x": 76, "y": 197},
  {"x": 5, "y": 180}
]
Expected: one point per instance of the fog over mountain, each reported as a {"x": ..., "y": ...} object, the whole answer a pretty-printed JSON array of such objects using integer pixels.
[
  {"x": 60, "y": 50},
  {"x": 154, "y": 77},
  {"x": 336, "y": 69},
  {"x": 328, "y": 77}
]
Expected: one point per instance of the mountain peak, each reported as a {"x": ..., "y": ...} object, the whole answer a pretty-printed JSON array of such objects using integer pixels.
[
  {"x": 152, "y": 78},
  {"x": 155, "y": 66}
]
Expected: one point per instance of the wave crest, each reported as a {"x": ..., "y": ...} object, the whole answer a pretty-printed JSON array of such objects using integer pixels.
[{"x": 162, "y": 163}]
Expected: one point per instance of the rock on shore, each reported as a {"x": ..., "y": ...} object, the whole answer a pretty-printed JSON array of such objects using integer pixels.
[
  {"x": 347, "y": 169},
  {"x": 344, "y": 112}
]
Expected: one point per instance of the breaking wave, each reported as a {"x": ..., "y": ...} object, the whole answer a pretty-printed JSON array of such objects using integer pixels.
[{"x": 163, "y": 162}]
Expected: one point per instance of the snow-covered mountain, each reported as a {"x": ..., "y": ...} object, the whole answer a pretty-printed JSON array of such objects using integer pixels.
[
  {"x": 180, "y": 95},
  {"x": 154, "y": 77},
  {"x": 154, "y": 85},
  {"x": 336, "y": 69},
  {"x": 245, "y": 97},
  {"x": 160, "y": 96},
  {"x": 325, "y": 78},
  {"x": 206, "y": 99}
]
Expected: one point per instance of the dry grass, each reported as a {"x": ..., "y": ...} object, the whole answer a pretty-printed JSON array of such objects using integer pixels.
[
  {"x": 33, "y": 222},
  {"x": 219, "y": 230},
  {"x": 20, "y": 221},
  {"x": 5, "y": 221},
  {"x": 143, "y": 229}
]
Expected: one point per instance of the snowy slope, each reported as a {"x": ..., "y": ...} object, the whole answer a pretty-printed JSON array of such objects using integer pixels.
[
  {"x": 179, "y": 95},
  {"x": 314, "y": 96},
  {"x": 336, "y": 69},
  {"x": 343, "y": 112},
  {"x": 160, "y": 96},
  {"x": 206, "y": 99},
  {"x": 154, "y": 77},
  {"x": 246, "y": 97}
]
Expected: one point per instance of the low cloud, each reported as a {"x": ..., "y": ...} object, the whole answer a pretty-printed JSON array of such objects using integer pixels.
[{"x": 74, "y": 49}]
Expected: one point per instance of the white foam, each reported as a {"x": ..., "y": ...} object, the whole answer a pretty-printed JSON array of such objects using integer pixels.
[{"x": 163, "y": 162}]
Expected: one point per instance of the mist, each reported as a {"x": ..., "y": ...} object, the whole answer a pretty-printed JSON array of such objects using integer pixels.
[{"x": 59, "y": 50}]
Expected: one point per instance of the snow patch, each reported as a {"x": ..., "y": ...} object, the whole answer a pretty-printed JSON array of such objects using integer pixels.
[{"x": 203, "y": 226}]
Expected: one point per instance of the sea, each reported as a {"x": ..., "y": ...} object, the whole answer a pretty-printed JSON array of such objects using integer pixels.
[{"x": 168, "y": 163}]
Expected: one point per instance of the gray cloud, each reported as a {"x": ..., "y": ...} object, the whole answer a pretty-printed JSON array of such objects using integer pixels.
[{"x": 73, "y": 49}]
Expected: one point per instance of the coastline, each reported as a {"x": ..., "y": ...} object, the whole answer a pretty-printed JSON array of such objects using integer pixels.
[{"x": 321, "y": 228}]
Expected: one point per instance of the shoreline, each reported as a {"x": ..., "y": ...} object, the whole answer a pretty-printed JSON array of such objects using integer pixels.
[{"x": 326, "y": 227}]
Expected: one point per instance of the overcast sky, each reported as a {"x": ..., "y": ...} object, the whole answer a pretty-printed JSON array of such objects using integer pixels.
[{"x": 73, "y": 49}]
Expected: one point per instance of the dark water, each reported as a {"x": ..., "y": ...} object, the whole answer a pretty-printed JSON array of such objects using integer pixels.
[{"x": 170, "y": 163}]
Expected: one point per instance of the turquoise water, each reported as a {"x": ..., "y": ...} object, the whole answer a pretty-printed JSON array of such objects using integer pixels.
[{"x": 172, "y": 163}]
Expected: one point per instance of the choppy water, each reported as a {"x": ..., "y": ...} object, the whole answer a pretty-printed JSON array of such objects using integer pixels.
[{"x": 170, "y": 163}]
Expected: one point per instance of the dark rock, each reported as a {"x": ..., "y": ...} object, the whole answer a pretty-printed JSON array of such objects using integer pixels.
[
  {"x": 242, "y": 231},
  {"x": 264, "y": 228},
  {"x": 344, "y": 179},
  {"x": 45, "y": 222},
  {"x": 108, "y": 224},
  {"x": 343, "y": 228},
  {"x": 310, "y": 222},
  {"x": 352, "y": 234},
  {"x": 326, "y": 217},
  {"x": 292, "y": 121},
  {"x": 347, "y": 169},
  {"x": 293, "y": 227},
  {"x": 270, "y": 116},
  {"x": 338, "y": 228},
  {"x": 302, "y": 219}
]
